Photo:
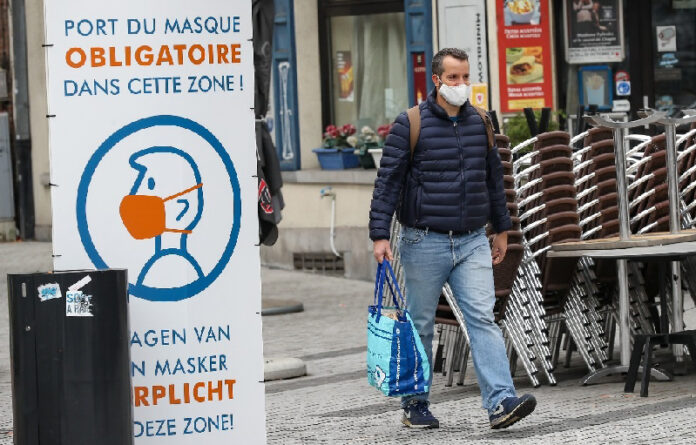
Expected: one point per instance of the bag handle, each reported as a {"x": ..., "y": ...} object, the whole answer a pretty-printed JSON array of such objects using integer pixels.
[
  {"x": 384, "y": 271},
  {"x": 396, "y": 285},
  {"x": 379, "y": 284}
]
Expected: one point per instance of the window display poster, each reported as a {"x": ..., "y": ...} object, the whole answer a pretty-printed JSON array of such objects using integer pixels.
[
  {"x": 593, "y": 31},
  {"x": 666, "y": 38},
  {"x": 153, "y": 157},
  {"x": 595, "y": 86},
  {"x": 420, "y": 89},
  {"x": 344, "y": 67},
  {"x": 524, "y": 48}
]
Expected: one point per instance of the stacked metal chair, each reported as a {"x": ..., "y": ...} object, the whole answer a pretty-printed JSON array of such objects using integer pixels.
[
  {"x": 595, "y": 174},
  {"x": 521, "y": 322},
  {"x": 686, "y": 160},
  {"x": 549, "y": 213}
]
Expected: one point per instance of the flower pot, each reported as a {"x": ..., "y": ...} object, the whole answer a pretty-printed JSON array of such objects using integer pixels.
[
  {"x": 365, "y": 159},
  {"x": 336, "y": 158},
  {"x": 376, "y": 154}
]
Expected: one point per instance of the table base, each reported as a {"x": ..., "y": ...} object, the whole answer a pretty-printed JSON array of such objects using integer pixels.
[{"x": 659, "y": 374}]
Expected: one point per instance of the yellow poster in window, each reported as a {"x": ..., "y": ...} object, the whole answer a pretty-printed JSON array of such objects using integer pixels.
[{"x": 479, "y": 95}]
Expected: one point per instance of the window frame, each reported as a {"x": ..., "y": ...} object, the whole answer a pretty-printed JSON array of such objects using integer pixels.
[{"x": 338, "y": 8}]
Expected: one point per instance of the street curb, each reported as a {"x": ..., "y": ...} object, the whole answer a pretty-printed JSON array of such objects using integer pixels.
[{"x": 283, "y": 368}]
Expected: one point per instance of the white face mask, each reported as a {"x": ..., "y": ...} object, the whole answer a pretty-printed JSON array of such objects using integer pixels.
[{"x": 455, "y": 95}]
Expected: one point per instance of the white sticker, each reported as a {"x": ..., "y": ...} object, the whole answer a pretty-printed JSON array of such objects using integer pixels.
[
  {"x": 78, "y": 304},
  {"x": 49, "y": 292},
  {"x": 80, "y": 284}
]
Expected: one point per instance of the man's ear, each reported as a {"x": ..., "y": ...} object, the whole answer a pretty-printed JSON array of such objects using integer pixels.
[{"x": 436, "y": 80}]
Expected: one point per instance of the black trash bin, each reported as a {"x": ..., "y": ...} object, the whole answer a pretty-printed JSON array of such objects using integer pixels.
[{"x": 70, "y": 358}]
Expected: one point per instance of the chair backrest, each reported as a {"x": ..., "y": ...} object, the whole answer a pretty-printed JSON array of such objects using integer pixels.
[
  {"x": 502, "y": 141},
  {"x": 505, "y": 154},
  {"x": 606, "y": 187},
  {"x": 603, "y": 160},
  {"x": 597, "y": 134},
  {"x": 552, "y": 138},
  {"x": 558, "y": 178},
  {"x": 553, "y": 151},
  {"x": 604, "y": 173},
  {"x": 561, "y": 205},
  {"x": 602, "y": 147},
  {"x": 554, "y": 165},
  {"x": 559, "y": 191}
]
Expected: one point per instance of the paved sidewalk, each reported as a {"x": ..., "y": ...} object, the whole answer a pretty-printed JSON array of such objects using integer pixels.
[{"x": 334, "y": 405}]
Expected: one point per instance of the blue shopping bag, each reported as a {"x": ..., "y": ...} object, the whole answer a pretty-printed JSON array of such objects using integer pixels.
[{"x": 396, "y": 361}]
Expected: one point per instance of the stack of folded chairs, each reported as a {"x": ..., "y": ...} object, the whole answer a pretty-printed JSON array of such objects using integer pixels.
[
  {"x": 549, "y": 214},
  {"x": 556, "y": 195},
  {"x": 687, "y": 190},
  {"x": 453, "y": 350}
]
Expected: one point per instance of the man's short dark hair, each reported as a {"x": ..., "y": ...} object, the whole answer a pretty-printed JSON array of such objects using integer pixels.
[{"x": 457, "y": 53}]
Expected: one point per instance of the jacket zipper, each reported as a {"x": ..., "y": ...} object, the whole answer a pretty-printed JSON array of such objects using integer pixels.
[{"x": 461, "y": 168}]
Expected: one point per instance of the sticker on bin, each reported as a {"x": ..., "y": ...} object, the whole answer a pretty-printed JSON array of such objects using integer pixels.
[
  {"x": 82, "y": 283},
  {"x": 49, "y": 292},
  {"x": 77, "y": 304}
]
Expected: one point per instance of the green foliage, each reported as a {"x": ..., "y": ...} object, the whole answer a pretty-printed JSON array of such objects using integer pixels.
[{"x": 517, "y": 130}]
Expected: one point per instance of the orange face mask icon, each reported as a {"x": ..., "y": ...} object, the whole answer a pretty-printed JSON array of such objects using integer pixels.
[{"x": 144, "y": 216}]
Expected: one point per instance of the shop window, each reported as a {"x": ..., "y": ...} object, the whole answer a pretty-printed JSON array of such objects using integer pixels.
[
  {"x": 674, "y": 60},
  {"x": 364, "y": 66}
]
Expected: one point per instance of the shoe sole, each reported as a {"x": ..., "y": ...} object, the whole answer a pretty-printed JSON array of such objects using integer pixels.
[
  {"x": 422, "y": 427},
  {"x": 523, "y": 410}
]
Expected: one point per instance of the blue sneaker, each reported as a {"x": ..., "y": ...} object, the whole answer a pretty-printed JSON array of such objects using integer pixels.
[
  {"x": 511, "y": 410},
  {"x": 417, "y": 415}
]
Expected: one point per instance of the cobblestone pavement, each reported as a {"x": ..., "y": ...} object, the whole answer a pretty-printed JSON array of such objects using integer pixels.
[{"x": 334, "y": 405}]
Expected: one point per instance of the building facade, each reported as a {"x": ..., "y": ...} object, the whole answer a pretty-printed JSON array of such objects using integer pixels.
[{"x": 362, "y": 62}]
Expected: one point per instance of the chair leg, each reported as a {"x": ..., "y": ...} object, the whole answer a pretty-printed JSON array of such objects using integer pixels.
[
  {"x": 691, "y": 344},
  {"x": 638, "y": 346},
  {"x": 647, "y": 364},
  {"x": 569, "y": 351}
]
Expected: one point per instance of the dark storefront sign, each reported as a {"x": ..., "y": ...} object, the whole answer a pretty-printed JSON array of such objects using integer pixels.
[
  {"x": 525, "y": 58},
  {"x": 593, "y": 31}
]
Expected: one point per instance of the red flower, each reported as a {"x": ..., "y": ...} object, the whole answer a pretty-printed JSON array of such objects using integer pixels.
[
  {"x": 331, "y": 131},
  {"x": 383, "y": 130},
  {"x": 347, "y": 130}
]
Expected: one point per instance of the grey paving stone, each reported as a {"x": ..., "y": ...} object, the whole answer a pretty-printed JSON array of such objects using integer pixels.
[{"x": 334, "y": 405}]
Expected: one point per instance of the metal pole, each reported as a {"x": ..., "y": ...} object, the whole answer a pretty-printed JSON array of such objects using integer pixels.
[
  {"x": 674, "y": 227},
  {"x": 621, "y": 187},
  {"x": 672, "y": 179},
  {"x": 624, "y": 330}
]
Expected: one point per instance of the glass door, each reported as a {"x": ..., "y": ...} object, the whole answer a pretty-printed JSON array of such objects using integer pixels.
[{"x": 674, "y": 53}]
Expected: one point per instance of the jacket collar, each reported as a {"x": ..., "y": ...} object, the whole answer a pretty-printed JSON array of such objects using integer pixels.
[{"x": 440, "y": 112}]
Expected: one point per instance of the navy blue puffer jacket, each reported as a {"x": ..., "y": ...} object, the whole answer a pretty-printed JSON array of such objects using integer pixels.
[{"x": 454, "y": 182}]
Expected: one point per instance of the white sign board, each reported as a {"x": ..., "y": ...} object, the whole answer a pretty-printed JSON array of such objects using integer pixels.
[
  {"x": 153, "y": 156},
  {"x": 462, "y": 24}
]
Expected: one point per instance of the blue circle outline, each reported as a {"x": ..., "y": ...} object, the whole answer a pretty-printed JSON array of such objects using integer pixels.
[{"x": 142, "y": 291}]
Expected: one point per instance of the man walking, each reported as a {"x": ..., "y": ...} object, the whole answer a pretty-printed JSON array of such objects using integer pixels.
[{"x": 444, "y": 193}]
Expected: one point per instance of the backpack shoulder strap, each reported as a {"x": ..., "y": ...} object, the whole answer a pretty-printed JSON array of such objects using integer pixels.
[
  {"x": 488, "y": 124},
  {"x": 414, "y": 119}
]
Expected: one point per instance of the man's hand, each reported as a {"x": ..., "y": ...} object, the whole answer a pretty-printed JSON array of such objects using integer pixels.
[
  {"x": 499, "y": 248},
  {"x": 381, "y": 249}
]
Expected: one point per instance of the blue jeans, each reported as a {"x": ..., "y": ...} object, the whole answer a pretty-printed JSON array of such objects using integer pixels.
[{"x": 430, "y": 259}]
